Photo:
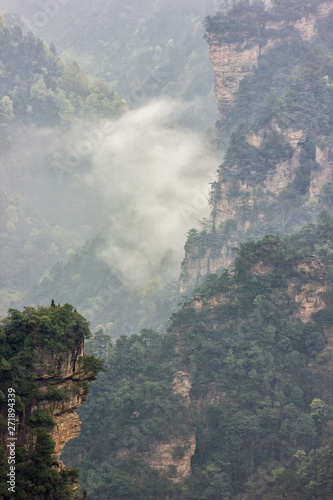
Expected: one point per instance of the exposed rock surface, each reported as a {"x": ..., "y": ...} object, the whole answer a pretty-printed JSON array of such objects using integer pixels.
[
  {"x": 231, "y": 62},
  {"x": 230, "y": 66},
  {"x": 323, "y": 174},
  {"x": 59, "y": 372},
  {"x": 309, "y": 295},
  {"x": 161, "y": 457},
  {"x": 241, "y": 207}
]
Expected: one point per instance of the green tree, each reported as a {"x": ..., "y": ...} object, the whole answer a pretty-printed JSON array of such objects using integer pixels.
[{"x": 6, "y": 110}]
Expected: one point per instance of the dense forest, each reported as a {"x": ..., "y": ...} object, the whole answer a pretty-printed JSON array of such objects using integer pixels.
[
  {"x": 261, "y": 388},
  {"x": 218, "y": 385}
]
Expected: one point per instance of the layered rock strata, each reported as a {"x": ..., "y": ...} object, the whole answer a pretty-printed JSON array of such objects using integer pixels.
[{"x": 60, "y": 377}]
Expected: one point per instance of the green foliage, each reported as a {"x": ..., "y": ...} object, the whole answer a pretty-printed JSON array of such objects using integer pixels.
[
  {"x": 100, "y": 345},
  {"x": 248, "y": 163},
  {"x": 265, "y": 370},
  {"x": 40, "y": 417},
  {"x": 56, "y": 394},
  {"x": 52, "y": 327},
  {"x": 56, "y": 329},
  {"x": 292, "y": 11},
  {"x": 262, "y": 376},
  {"x": 307, "y": 100},
  {"x": 135, "y": 407},
  {"x": 6, "y": 110},
  {"x": 91, "y": 365},
  {"x": 289, "y": 90},
  {"x": 258, "y": 96},
  {"x": 320, "y": 410},
  {"x": 162, "y": 50},
  {"x": 38, "y": 87},
  {"x": 242, "y": 23},
  {"x": 245, "y": 19},
  {"x": 307, "y": 166},
  {"x": 215, "y": 283},
  {"x": 35, "y": 477},
  {"x": 327, "y": 194}
]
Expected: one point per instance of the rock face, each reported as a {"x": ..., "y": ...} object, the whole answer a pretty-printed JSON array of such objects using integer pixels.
[
  {"x": 65, "y": 384},
  {"x": 65, "y": 373},
  {"x": 50, "y": 366},
  {"x": 232, "y": 62},
  {"x": 244, "y": 211},
  {"x": 230, "y": 65},
  {"x": 161, "y": 457},
  {"x": 247, "y": 204},
  {"x": 309, "y": 296}
]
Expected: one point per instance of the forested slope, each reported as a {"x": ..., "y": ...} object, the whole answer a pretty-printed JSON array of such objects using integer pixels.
[
  {"x": 235, "y": 400},
  {"x": 249, "y": 354},
  {"x": 142, "y": 49}
]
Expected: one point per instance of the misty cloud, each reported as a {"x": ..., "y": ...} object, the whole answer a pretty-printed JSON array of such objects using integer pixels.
[
  {"x": 144, "y": 178},
  {"x": 153, "y": 176}
]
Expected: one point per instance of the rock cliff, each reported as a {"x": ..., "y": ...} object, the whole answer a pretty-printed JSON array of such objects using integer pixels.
[
  {"x": 233, "y": 61},
  {"x": 64, "y": 385},
  {"x": 43, "y": 363},
  {"x": 277, "y": 166},
  {"x": 63, "y": 372}
]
